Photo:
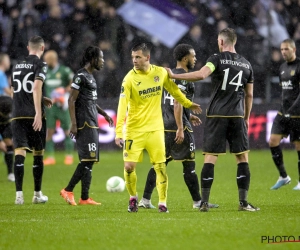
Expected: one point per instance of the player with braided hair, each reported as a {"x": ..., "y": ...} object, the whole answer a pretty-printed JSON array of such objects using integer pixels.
[{"x": 84, "y": 111}]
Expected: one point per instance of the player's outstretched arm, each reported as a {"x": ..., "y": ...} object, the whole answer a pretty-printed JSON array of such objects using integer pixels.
[
  {"x": 105, "y": 115},
  {"x": 201, "y": 74}
]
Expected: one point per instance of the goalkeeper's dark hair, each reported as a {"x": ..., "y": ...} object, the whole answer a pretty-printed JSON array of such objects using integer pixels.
[
  {"x": 181, "y": 51},
  {"x": 144, "y": 47},
  {"x": 90, "y": 53}
]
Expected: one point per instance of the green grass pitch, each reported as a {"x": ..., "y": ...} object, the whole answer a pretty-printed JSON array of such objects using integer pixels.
[{"x": 57, "y": 225}]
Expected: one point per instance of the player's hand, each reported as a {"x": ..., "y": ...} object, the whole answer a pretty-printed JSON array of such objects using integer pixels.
[
  {"x": 73, "y": 131},
  {"x": 37, "y": 123},
  {"x": 109, "y": 120},
  {"x": 170, "y": 73},
  {"x": 179, "y": 136},
  {"x": 47, "y": 102},
  {"x": 195, "y": 120},
  {"x": 195, "y": 108},
  {"x": 2, "y": 146},
  {"x": 119, "y": 142}
]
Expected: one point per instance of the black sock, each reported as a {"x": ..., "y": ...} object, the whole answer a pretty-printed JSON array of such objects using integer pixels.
[
  {"x": 86, "y": 180},
  {"x": 278, "y": 160},
  {"x": 38, "y": 169},
  {"x": 76, "y": 177},
  {"x": 243, "y": 181},
  {"x": 150, "y": 184},
  {"x": 207, "y": 178},
  {"x": 19, "y": 171},
  {"x": 9, "y": 159},
  {"x": 298, "y": 164},
  {"x": 191, "y": 179}
]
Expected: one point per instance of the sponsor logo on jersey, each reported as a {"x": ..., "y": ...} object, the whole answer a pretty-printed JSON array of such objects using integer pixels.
[
  {"x": 149, "y": 90},
  {"x": 156, "y": 78},
  {"x": 292, "y": 72},
  {"x": 138, "y": 83},
  {"x": 287, "y": 85}
]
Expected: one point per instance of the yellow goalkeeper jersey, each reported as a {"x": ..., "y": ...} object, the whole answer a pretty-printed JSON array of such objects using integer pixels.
[{"x": 141, "y": 95}]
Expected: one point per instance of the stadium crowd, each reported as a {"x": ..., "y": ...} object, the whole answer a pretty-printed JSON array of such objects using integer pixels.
[{"x": 68, "y": 27}]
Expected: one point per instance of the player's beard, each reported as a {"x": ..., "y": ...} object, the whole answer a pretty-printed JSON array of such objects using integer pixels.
[{"x": 190, "y": 65}]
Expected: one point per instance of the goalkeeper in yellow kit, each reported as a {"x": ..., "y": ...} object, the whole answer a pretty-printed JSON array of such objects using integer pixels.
[{"x": 141, "y": 94}]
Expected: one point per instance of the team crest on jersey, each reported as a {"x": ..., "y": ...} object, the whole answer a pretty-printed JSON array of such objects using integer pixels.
[
  {"x": 77, "y": 80},
  {"x": 93, "y": 154},
  {"x": 122, "y": 89},
  {"x": 192, "y": 155},
  {"x": 45, "y": 69},
  {"x": 292, "y": 72},
  {"x": 156, "y": 78},
  {"x": 58, "y": 75}
]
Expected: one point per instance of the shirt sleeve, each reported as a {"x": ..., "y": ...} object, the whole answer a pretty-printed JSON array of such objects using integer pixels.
[
  {"x": 173, "y": 89},
  {"x": 77, "y": 82},
  {"x": 41, "y": 71},
  {"x": 122, "y": 107}
]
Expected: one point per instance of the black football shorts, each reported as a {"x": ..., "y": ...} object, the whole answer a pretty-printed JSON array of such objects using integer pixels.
[
  {"x": 219, "y": 130},
  {"x": 87, "y": 142},
  {"x": 24, "y": 137},
  {"x": 183, "y": 151}
]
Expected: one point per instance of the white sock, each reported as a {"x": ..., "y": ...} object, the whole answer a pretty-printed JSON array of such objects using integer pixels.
[
  {"x": 19, "y": 193},
  {"x": 37, "y": 193},
  {"x": 146, "y": 201},
  {"x": 197, "y": 202}
]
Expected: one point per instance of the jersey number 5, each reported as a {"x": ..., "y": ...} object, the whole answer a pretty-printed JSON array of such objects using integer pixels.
[
  {"x": 237, "y": 83},
  {"x": 24, "y": 84}
]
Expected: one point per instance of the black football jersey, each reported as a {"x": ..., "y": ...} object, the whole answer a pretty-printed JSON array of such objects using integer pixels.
[
  {"x": 188, "y": 88},
  {"x": 23, "y": 76},
  {"x": 232, "y": 72},
  {"x": 289, "y": 75},
  {"x": 85, "y": 106}
]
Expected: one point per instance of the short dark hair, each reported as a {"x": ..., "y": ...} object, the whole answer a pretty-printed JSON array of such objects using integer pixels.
[
  {"x": 229, "y": 35},
  {"x": 35, "y": 41},
  {"x": 144, "y": 47},
  {"x": 290, "y": 42},
  {"x": 181, "y": 51},
  {"x": 90, "y": 53}
]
